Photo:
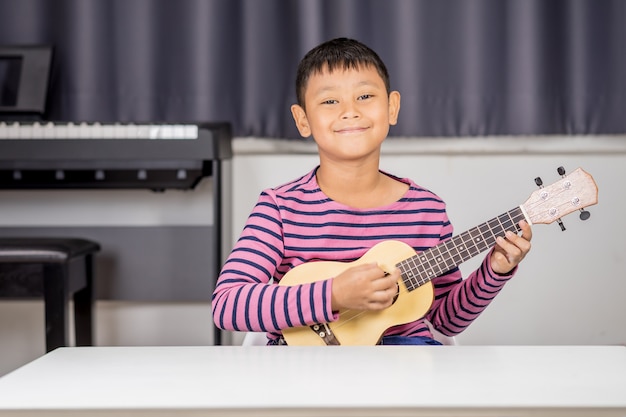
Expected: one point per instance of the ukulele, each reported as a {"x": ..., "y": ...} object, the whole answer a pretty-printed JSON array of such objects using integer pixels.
[{"x": 415, "y": 290}]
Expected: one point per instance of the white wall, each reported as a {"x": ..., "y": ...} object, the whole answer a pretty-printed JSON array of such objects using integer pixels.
[{"x": 569, "y": 290}]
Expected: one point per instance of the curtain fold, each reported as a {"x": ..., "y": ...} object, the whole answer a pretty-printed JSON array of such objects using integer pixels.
[{"x": 464, "y": 68}]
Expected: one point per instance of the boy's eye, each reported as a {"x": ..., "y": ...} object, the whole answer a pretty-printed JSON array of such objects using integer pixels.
[
  {"x": 330, "y": 101},
  {"x": 365, "y": 96}
]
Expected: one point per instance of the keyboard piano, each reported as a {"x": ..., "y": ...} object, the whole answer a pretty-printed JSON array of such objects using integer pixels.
[{"x": 49, "y": 155}]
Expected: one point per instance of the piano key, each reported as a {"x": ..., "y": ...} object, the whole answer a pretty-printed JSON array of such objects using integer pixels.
[{"x": 96, "y": 130}]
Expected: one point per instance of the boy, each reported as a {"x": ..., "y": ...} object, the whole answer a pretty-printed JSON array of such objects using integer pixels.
[{"x": 342, "y": 208}]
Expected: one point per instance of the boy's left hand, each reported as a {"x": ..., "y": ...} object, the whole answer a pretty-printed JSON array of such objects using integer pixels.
[{"x": 511, "y": 249}]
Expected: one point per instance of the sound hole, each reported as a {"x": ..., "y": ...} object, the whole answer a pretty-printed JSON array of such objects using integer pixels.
[
  {"x": 397, "y": 294},
  {"x": 395, "y": 298}
]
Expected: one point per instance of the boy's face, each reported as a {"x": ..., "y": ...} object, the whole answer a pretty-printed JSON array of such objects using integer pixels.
[{"x": 348, "y": 112}]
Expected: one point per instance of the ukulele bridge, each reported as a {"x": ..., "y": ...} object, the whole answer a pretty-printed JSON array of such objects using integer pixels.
[{"x": 325, "y": 333}]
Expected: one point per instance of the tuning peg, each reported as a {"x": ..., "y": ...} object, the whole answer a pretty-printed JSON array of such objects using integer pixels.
[
  {"x": 561, "y": 171},
  {"x": 539, "y": 182},
  {"x": 561, "y": 225},
  {"x": 584, "y": 214}
]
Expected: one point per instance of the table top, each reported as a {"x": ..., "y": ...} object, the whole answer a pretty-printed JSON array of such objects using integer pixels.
[{"x": 311, "y": 381}]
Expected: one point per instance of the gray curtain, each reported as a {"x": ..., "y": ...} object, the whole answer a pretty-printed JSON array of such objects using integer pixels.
[{"x": 463, "y": 67}]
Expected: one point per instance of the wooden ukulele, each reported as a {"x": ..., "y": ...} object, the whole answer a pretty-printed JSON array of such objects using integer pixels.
[{"x": 356, "y": 327}]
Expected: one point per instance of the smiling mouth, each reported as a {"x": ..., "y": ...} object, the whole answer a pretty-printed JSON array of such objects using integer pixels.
[{"x": 349, "y": 130}]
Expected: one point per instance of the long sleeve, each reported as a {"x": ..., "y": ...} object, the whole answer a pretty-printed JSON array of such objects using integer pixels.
[
  {"x": 245, "y": 300},
  {"x": 458, "y": 302}
]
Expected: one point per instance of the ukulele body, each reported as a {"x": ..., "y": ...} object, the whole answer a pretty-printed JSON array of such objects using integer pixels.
[{"x": 358, "y": 327}]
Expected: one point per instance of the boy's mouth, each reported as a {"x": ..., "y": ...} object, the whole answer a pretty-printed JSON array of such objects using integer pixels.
[{"x": 351, "y": 129}]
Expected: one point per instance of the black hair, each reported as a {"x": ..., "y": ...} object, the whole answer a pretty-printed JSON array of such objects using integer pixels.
[{"x": 337, "y": 53}]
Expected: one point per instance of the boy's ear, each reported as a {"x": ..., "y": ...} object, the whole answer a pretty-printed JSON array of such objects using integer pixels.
[
  {"x": 394, "y": 107},
  {"x": 302, "y": 123}
]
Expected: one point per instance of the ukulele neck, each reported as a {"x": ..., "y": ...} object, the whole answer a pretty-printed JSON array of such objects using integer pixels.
[{"x": 423, "y": 267}]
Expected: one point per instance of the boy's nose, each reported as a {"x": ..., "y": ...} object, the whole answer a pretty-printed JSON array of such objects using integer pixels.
[{"x": 349, "y": 111}]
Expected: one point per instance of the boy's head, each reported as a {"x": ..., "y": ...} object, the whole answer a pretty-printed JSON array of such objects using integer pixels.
[{"x": 339, "y": 53}]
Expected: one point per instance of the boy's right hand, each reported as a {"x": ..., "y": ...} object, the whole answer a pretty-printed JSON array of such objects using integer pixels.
[{"x": 364, "y": 287}]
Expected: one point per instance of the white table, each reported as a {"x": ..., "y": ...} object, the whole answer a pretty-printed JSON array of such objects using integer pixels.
[{"x": 314, "y": 381}]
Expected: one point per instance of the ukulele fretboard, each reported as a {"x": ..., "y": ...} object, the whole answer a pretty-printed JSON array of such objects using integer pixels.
[{"x": 423, "y": 267}]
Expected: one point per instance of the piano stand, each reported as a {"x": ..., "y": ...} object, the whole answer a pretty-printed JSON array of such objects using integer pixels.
[{"x": 55, "y": 269}]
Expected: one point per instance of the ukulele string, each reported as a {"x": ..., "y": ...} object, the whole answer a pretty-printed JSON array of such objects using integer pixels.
[
  {"x": 359, "y": 313},
  {"x": 421, "y": 281}
]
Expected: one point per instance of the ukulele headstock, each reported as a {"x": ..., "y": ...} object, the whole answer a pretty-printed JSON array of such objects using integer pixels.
[{"x": 573, "y": 192}]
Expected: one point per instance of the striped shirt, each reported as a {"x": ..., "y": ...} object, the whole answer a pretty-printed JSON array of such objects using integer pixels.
[{"x": 297, "y": 223}]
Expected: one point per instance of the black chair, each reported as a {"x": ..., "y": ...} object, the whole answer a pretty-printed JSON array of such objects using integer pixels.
[{"x": 55, "y": 269}]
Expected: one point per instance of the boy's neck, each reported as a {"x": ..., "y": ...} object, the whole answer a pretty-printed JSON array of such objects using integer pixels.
[{"x": 359, "y": 186}]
